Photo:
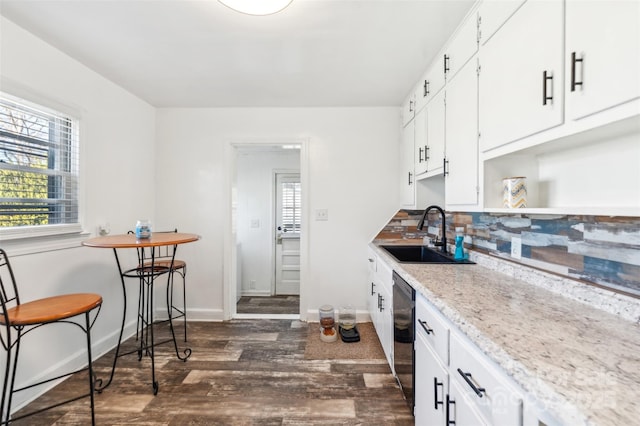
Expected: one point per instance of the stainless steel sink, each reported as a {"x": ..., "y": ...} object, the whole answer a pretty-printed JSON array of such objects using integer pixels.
[{"x": 421, "y": 254}]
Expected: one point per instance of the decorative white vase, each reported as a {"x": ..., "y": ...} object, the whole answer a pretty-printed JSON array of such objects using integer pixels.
[{"x": 514, "y": 192}]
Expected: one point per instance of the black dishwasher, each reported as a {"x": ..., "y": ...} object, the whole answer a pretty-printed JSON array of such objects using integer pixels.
[{"x": 404, "y": 297}]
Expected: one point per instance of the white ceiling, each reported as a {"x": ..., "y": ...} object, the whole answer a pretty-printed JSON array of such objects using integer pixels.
[{"x": 199, "y": 53}]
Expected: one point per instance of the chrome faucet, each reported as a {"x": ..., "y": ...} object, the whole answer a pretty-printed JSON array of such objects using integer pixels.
[{"x": 443, "y": 243}]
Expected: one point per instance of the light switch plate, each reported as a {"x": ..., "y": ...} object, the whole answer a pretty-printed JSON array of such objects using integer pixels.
[{"x": 322, "y": 214}]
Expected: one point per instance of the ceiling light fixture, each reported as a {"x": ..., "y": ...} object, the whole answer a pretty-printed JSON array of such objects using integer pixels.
[{"x": 257, "y": 7}]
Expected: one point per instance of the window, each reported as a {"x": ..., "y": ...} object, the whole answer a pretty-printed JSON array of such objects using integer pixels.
[
  {"x": 291, "y": 206},
  {"x": 38, "y": 166}
]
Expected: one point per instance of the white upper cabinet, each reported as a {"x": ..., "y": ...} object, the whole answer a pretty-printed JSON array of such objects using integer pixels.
[
  {"x": 436, "y": 134},
  {"x": 408, "y": 109},
  {"x": 431, "y": 83},
  {"x": 492, "y": 14},
  {"x": 462, "y": 47},
  {"x": 407, "y": 172},
  {"x": 421, "y": 142},
  {"x": 521, "y": 80},
  {"x": 603, "y": 55},
  {"x": 461, "y": 184}
]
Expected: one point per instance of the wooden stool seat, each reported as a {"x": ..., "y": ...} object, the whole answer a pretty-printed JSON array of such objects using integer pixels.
[
  {"x": 19, "y": 319},
  {"x": 162, "y": 263},
  {"x": 51, "y": 309}
]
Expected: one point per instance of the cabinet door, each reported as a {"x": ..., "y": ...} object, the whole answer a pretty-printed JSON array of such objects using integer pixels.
[
  {"x": 421, "y": 141},
  {"x": 407, "y": 176},
  {"x": 521, "y": 75},
  {"x": 491, "y": 16},
  {"x": 461, "y": 411},
  {"x": 462, "y": 47},
  {"x": 461, "y": 183},
  {"x": 436, "y": 134},
  {"x": 385, "y": 310},
  {"x": 431, "y": 386},
  {"x": 603, "y": 55},
  {"x": 408, "y": 109}
]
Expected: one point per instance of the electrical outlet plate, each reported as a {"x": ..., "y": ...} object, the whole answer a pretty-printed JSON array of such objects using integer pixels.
[{"x": 516, "y": 247}]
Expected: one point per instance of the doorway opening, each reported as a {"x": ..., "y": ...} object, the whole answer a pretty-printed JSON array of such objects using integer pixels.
[{"x": 267, "y": 220}]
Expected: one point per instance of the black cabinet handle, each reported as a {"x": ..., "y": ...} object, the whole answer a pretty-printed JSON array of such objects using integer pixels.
[
  {"x": 450, "y": 402},
  {"x": 467, "y": 378},
  {"x": 426, "y": 153},
  {"x": 574, "y": 61},
  {"x": 446, "y": 64},
  {"x": 410, "y": 106},
  {"x": 435, "y": 393},
  {"x": 420, "y": 160},
  {"x": 445, "y": 166},
  {"x": 546, "y": 77},
  {"x": 410, "y": 182},
  {"x": 425, "y": 326},
  {"x": 381, "y": 302},
  {"x": 372, "y": 289},
  {"x": 425, "y": 92}
]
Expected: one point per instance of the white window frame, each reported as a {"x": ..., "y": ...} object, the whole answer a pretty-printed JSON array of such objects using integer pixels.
[{"x": 37, "y": 238}]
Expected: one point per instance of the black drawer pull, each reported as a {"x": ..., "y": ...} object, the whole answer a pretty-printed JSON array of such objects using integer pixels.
[
  {"x": 467, "y": 378},
  {"x": 372, "y": 289},
  {"x": 448, "y": 411},
  {"x": 574, "y": 61},
  {"x": 435, "y": 393},
  {"x": 426, "y": 327},
  {"x": 545, "y": 97}
]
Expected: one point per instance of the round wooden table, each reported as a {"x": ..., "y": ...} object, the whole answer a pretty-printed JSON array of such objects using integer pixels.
[{"x": 147, "y": 247}]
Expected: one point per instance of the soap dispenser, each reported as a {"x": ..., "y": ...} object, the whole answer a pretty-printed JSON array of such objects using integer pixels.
[{"x": 459, "y": 253}]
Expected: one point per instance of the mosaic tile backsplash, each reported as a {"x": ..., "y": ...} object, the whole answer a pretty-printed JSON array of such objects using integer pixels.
[{"x": 602, "y": 250}]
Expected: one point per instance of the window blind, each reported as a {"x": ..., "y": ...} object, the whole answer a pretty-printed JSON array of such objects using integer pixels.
[
  {"x": 291, "y": 206},
  {"x": 39, "y": 165}
]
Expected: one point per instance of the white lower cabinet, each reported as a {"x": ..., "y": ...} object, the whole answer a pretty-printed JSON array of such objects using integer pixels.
[
  {"x": 460, "y": 408},
  {"x": 484, "y": 385},
  {"x": 380, "y": 303},
  {"x": 431, "y": 385},
  {"x": 455, "y": 383}
]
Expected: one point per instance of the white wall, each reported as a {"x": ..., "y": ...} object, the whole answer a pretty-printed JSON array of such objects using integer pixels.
[
  {"x": 255, "y": 193},
  {"x": 353, "y": 165},
  {"x": 117, "y": 155},
  {"x": 169, "y": 166}
]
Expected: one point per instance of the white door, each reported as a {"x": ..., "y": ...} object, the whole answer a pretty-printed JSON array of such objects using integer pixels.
[{"x": 287, "y": 241}]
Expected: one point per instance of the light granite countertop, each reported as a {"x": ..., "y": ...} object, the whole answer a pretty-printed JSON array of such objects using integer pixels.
[{"x": 580, "y": 362}]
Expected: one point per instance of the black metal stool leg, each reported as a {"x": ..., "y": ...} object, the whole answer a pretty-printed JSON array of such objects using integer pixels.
[{"x": 90, "y": 368}]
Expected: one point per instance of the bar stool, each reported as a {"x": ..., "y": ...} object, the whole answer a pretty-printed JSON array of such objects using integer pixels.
[
  {"x": 153, "y": 262},
  {"x": 164, "y": 259},
  {"x": 19, "y": 319}
]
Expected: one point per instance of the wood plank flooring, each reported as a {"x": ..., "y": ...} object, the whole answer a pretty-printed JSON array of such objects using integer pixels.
[
  {"x": 268, "y": 305},
  {"x": 241, "y": 372}
]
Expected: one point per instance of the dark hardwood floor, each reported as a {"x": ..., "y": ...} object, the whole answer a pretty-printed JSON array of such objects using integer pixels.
[
  {"x": 269, "y": 305},
  {"x": 241, "y": 372}
]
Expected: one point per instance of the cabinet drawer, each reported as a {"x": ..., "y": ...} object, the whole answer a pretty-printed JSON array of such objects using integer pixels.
[
  {"x": 491, "y": 391},
  {"x": 433, "y": 328}
]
